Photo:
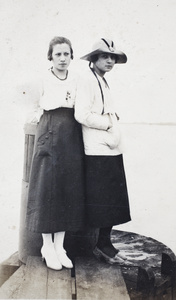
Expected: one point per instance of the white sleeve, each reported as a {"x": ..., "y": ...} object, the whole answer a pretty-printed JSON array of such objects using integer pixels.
[
  {"x": 83, "y": 107},
  {"x": 36, "y": 110}
]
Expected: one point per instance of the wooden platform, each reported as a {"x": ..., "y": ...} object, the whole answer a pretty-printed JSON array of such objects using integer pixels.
[
  {"x": 152, "y": 275},
  {"x": 92, "y": 280}
]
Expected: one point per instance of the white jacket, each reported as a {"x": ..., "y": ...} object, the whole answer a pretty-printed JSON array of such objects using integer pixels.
[{"x": 101, "y": 132}]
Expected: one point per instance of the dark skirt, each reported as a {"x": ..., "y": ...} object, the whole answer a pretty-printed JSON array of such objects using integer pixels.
[
  {"x": 56, "y": 199},
  {"x": 107, "y": 202}
]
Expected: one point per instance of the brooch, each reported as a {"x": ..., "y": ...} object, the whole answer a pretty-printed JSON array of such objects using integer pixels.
[{"x": 68, "y": 96}]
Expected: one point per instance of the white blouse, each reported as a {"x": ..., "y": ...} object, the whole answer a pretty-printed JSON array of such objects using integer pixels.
[
  {"x": 55, "y": 93},
  {"x": 100, "y": 127}
]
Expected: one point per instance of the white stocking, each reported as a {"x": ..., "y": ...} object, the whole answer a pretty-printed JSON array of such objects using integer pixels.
[
  {"x": 48, "y": 252},
  {"x": 47, "y": 239},
  {"x": 59, "y": 247},
  {"x": 59, "y": 240}
]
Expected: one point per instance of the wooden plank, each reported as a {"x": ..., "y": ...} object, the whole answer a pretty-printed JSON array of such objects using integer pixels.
[
  {"x": 5, "y": 272},
  {"x": 34, "y": 283},
  {"x": 59, "y": 284},
  {"x": 28, "y": 153},
  {"x": 25, "y": 156},
  {"x": 13, "y": 260},
  {"x": 73, "y": 288},
  {"x": 10, "y": 288},
  {"x": 30, "y": 128},
  {"x": 99, "y": 281},
  {"x": 8, "y": 267}
]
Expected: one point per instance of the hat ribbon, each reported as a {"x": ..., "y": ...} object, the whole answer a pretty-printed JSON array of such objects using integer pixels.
[{"x": 107, "y": 44}]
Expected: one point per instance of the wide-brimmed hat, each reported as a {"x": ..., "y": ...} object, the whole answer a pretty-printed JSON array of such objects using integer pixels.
[{"x": 106, "y": 46}]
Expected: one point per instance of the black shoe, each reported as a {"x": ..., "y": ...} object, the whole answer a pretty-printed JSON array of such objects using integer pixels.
[{"x": 111, "y": 260}]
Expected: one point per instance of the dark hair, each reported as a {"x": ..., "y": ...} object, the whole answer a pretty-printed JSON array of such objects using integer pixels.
[
  {"x": 94, "y": 57},
  {"x": 58, "y": 40}
]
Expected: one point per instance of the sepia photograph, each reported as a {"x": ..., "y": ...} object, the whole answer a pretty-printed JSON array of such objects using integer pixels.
[{"x": 88, "y": 149}]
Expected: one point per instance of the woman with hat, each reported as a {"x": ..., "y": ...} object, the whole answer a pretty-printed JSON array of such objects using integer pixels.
[
  {"x": 107, "y": 202},
  {"x": 56, "y": 186}
]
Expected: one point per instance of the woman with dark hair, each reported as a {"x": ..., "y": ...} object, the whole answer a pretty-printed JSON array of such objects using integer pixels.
[
  {"x": 107, "y": 201},
  {"x": 56, "y": 186}
]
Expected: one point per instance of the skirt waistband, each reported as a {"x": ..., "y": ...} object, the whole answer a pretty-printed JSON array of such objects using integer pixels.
[{"x": 59, "y": 110}]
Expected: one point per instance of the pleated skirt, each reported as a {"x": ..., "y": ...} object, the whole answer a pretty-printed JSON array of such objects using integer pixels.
[
  {"x": 107, "y": 202},
  {"x": 56, "y": 198}
]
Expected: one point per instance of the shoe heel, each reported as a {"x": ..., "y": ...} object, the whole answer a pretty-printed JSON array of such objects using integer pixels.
[
  {"x": 43, "y": 259},
  {"x": 50, "y": 259}
]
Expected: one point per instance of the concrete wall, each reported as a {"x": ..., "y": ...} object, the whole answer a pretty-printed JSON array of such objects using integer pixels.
[{"x": 144, "y": 89}]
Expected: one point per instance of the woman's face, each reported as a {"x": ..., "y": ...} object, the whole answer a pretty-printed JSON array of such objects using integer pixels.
[
  {"x": 105, "y": 63},
  {"x": 61, "y": 56}
]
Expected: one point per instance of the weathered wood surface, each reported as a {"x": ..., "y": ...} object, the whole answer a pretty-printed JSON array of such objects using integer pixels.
[
  {"x": 92, "y": 280},
  {"x": 99, "y": 281},
  {"x": 152, "y": 275},
  {"x": 35, "y": 281},
  {"x": 8, "y": 267},
  {"x": 9, "y": 289},
  {"x": 59, "y": 284},
  {"x": 28, "y": 152},
  {"x": 30, "y": 130}
]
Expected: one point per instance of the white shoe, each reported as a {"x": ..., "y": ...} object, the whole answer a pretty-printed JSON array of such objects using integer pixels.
[
  {"x": 63, "y": 258},
  {"x": 50, "y": 257}
]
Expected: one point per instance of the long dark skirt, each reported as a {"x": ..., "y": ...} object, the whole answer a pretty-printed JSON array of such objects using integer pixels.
[
  {"x": 56, "y": 200},
  {"x": 107, "y": 202}
]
